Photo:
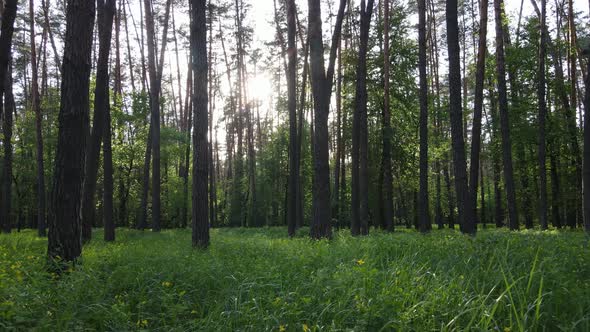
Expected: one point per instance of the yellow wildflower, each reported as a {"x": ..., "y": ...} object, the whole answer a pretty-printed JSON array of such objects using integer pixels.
[
  {"x": 282, "y": 328},
  {"x": 166, "y": 284},
  {"x": 360, "y": 261},
  {"x": 507, "y": 329},
  {"x": 306, "y": 328},
  {"x": 142, "y": 323}
]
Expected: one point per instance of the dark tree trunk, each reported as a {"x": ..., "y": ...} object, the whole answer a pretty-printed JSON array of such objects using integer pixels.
[
  {"x": 106, "y": 12},
  {"x": 387, "y": 183},
  {"x": 465, "y": 216},
  {"x": 587, "y": 154},
  {"x": 292, "y": 106},
  {"x": 478, "y": 105},
  {"x": 360, "y": 153},
  {"x": 64, "y": 214},
  {"x": 101, "y": 104},
  {"x": 322, "y": 90},
  {"x": 6, "y": 194},
  {"x": 504, "y": 121},
  {"x": 424, "y": 216},
  {"x": 200, "y": 226},
  {"x": 542, "y": 154}
]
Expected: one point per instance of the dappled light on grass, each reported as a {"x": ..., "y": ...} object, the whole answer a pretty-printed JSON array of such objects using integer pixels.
[{"x": 258, "y": 279}]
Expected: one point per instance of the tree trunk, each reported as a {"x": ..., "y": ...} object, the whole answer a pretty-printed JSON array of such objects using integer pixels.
[
  {"x": 542, "y": 152},
  {"x": 6, "y": 194},
  {"x": 587, "y": 154},
  {"x": 36, "y": 106},
  {"x": 504, "y": 120},
  {"x": 478, "y": 105},
  {"x": 322, "y": 90},
  {"x": 101, "y": 105},
  {"x": 424, "y": 216},
  {"x": 360, "y": 153},
  {"x": 200, "y": 227},
  {"x": 292, "y": 106},
  {"x": 465, "y": 216},
  {"x": 387, "y": 183},
  {"x": 64, "y": 214},
  {"x": 106, "y": 12}
]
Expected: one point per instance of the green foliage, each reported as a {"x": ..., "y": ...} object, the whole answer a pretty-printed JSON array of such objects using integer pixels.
[{"x": 259, "y": 280}]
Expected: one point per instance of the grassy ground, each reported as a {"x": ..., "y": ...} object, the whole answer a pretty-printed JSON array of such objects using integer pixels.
[{"x": 256, "y": 280}]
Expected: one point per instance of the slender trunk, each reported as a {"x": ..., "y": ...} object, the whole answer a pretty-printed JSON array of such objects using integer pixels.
[
  {"x": 465, "y": 216},
  {"x": 587, "y": 154},
  {"x": 360, "y": 153},
  {"x": 292, "y": 106},
  {"x": 36, "y": 106},
  {"x": 387, "y": 183},
  {"x": 424, "y": 217},
  {"x": 478, "y": 105},
  {"x": 542, "y": 153},
  {"x": 6, "y": 194},
  {"x": 200, "y": 227},
  {"x": 322, "y": 90},
  {"x": 64, "y": 214},
  {"x": 504, "y": 120}
]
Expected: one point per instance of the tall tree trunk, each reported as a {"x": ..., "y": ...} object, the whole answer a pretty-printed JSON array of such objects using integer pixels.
[
  {"x": 292, "y": 105},
  {"x": 36, "y": 106},
  {"x": 587, "y": 154},
  {"x": 155, "y": 75},
  {"x": 64, "y": 214},
  {"x": 478, "y": 105},
  {"x": 360, "y": 136},
  {"x": 387, "y": 183},
  {"x": 542, "y": 153},
  {"x": 101, "y": 106},
  {"x": 106, "y": 12},
  {"x": 6, "y": 194},
  {"x": 322, "y": 90},
  {"x": 504, "y": 120},
  {"x": 466, "y": 217},
  {"x": 424, "y": 216},
  {"x": 200, "y": 226}
]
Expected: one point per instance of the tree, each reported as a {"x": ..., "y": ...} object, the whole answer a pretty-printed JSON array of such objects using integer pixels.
[
  {"x": 504, "y": 120},
  {"x": 6, "y": 33},
  {"x": 292, "y": 101},
  {"x": 587, "y": 154},
  {"x": 424, "y": 218},
  {"x": 478, "y": 106},
  {"x": 6, "y": 179},
  {"x": 99, "y": 119},
  {"x": 321, "y": 82},
  {"x": 64, "y": 213},
  {"x": 200, "y": 220},
  {"x": 542, "y": 105},
  {"x": 386, "y": 185},
  {"x": 465, "y": 216},
  {"x": 360, "y": 136},
  {"x": 106, "y": 12},
  {"x": 36, "y": 106}
]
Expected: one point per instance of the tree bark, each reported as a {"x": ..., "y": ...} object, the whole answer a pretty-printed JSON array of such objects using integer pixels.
[
  {"x": 322, "y": 90},
  {"x": 360, "y": 136},
  {"x": 542, "y": 104},
  {"x": 64, "y": 214},
  {"x": 36, "y": 106},
  {"x": 387, "y": 183},
  {"x": 586, "y": 173},
  {"x": 478, "y": 105},
  {"x": 292, "y": 106},
  {"x": 6, "y": 201},
  {"x": 200, "y": 226},
  {"x": 424, "y": 216},
  {"x": 101, "y": 105},
  {"x": 504, "y": 118},
  {"x": 465, "y": 216}
]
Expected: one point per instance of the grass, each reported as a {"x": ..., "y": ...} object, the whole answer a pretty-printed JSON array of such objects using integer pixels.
[{"x": 257, "y": 280}]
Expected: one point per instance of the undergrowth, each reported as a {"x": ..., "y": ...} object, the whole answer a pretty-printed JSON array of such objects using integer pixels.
[{"x": 258, "y": 279}]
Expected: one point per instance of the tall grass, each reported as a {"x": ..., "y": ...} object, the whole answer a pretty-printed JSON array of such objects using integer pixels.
[{"x": 257, "y": 279}]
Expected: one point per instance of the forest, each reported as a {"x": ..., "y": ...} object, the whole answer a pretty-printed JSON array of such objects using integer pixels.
[{"x": 291, "y": 165}]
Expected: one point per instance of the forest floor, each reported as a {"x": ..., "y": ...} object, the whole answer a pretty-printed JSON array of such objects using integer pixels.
[{"x": 258, "y": 279}]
